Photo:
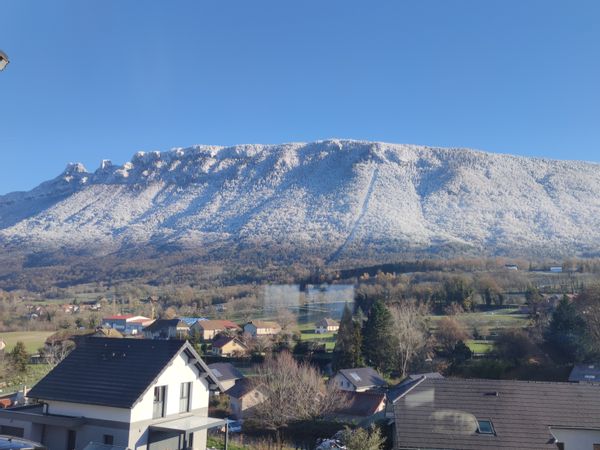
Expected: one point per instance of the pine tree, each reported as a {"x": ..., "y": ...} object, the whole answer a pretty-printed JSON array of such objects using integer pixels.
[
  {"x": 347, "y": 352},
  {"x": 379, "y": 340},
  {"x": 19, "y": 357}
]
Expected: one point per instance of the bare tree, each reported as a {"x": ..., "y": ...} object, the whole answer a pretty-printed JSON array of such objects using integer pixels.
[
  {"x": 410, "y": 325},
  {"x": 55, "y": 353},
  {"x": 293, "y": 392},
  {"x": 449, "y": 332}
]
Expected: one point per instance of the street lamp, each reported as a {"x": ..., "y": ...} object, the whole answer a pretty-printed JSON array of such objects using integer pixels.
[{"x": 3, "y": 60}]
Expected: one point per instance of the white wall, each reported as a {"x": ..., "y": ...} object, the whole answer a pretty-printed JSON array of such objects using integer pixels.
[
  {"x": 91, "y": 411},
  {"x": 577, "y": 439},
  {"x": 178, "y": 372}
]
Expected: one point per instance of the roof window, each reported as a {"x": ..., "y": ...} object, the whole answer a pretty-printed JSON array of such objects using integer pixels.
[{"x": 485, "y": 427}]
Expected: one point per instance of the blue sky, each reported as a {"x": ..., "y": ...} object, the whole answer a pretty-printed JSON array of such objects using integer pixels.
[{"x": 103, "y": 79}]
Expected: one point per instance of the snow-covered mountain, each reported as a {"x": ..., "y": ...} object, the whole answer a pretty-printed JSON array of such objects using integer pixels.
[{"x": 335, "y": 199}]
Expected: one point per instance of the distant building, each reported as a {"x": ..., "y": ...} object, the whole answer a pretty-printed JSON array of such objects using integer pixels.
[
  {"x": 360, "y": 405},
  {"x": 121, "y": 393},
  {"x": 228, "y": 346},
  {"x": 511, "y": 267},
  {"x": 192, "y": 320},
  {"x": 208, "y": 329},
  {"x": 262, "y": 328},
  {"x": 327, "y": 326},
  {"x": 128, "y": 324},
  {"x": 243, "y": 398},
  {"x": 454, "y": 413},
  {"x": 226, "y": 373},
  {"x": 358, "y": 380},
  {"x": 167, "y": 329},
  {"x": 585, "y": 373}
]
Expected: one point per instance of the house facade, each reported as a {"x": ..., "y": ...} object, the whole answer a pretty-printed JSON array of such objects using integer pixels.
[
  {"x": 136, "y": 394},
  {"x": 243, "y": 398},
  {"x": 228, "y": 346},
  {"x": 262, "y": 328},
  {"x": 208, "y": 329},
  {"x": 126, "y": 323}
]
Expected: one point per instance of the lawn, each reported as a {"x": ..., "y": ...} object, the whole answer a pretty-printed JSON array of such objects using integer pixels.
[
  {"x": 480, "y": 347},
  {"x": 33, "y": 340},
  {"x": 307, "y": 333},
  {"x": 34, "y": 373},
  {"x": 492, "y": 320}
]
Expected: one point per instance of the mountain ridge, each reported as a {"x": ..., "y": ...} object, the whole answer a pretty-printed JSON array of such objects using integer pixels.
[{"x": 338, "y": 200}]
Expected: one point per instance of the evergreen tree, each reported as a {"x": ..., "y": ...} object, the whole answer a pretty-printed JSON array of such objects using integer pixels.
[
  {"x": 347, "y": 352},
  {"x": 19, "y": 357},
  {"x": 379, "y": 340},
  {"x": 567, "y": 331}
]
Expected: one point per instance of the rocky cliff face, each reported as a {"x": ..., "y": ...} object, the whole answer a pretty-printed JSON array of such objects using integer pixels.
[{"x": 335, "y": 199}]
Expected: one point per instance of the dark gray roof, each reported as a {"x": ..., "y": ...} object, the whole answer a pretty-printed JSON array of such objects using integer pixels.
[
  {"x": 443, "y": 413},
  {"x": 241, "y": 387},
  {"x": 361, "y": 404},
  {"x": 363, "y": 377},
  {"x": 225, "y": 371},
  {"x": 165, "y": 324},
  {"x": 586, "y": 372},
  {"x": 111, "y": 372}
]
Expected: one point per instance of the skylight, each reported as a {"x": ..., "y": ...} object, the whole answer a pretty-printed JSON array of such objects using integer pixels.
[
  {"x": 485, "y": 427},
  {"x": 355, "y": 376}
]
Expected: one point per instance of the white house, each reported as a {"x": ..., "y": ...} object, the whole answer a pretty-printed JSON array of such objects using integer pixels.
[
  {"x": 126, "y": 323},
  {"x": 128, "y": 393},
  {"x": 327, "y": 326},
  {"x": 262, "y": 328},
  {"x": 360, "y": 379}
]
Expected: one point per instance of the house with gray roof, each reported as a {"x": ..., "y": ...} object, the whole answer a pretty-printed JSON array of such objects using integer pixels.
[
  {"x": 358, "y": 380},
  {"x": 226, "y": 373},
  {"x": 124, "y": 393},
  {"x": 471, "y": 414}
]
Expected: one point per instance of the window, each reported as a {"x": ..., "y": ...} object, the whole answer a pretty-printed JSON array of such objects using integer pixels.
[
  {"x": 158, "y": 410},
  {"x": 108, "y": 439},
  {"x": 71, "y": 439},
  {"x": 12, "y": 431},
  {"x": 485, "y": 427},
  {"x": 185, "y": 397}
]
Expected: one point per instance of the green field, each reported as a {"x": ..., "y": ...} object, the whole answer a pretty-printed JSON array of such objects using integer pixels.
[
  {"x": 480, "y": 347},
  {"x": 492, "y": 320},
  {"x": 307, "y": 333},
  {"x": 33, "y": 340}
]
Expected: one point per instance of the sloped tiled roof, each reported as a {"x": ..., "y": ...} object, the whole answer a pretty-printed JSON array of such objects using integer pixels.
[
  {"x": 217, "y": 324},
  {"x": 363, "y": 377},
  {"x": 443, "y": 413},
  {"x": 164, "y": 324},
  {"x": 225, "y": 371},
  {"x": 241, "y": 388},
  {"x": 265, "y": 324},
  {"x": 221, "y": 341},
  {"x": 589, "y": 373},
  {"x": 110, "y": 372},
  {"x": 327, "y": 322},
  {"x": 362, "y": 404}
]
